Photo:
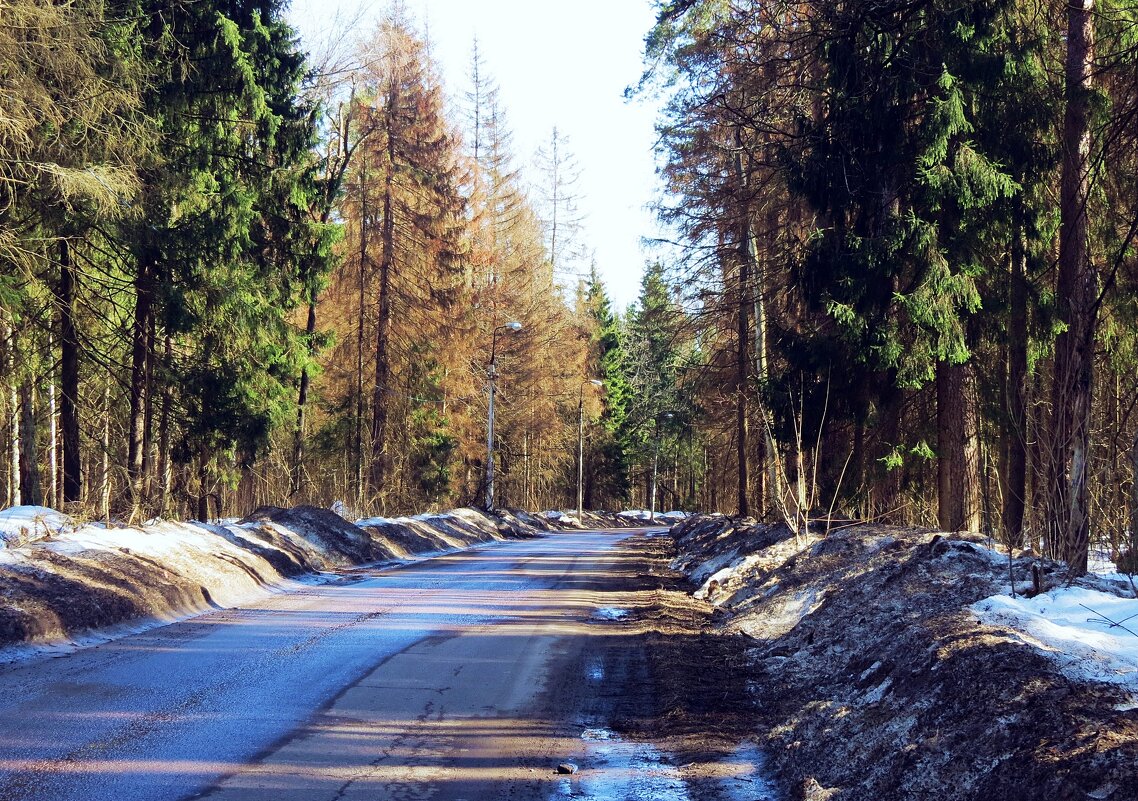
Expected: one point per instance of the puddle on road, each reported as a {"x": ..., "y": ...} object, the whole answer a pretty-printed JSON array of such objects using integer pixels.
[
  {"x": 748, "y": 782},
  {"x": 616, "y": 770},
  {"x": 613, "y": 769}
]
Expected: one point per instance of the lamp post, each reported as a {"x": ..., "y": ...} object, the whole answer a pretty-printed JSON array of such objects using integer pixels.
[
  {"x": 581, "y": 446},
  {"x": 655, "y": 467},
  {"x": 492, "y": 376}
]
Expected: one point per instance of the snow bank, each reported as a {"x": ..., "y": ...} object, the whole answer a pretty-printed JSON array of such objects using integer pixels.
[
  {"x": 1074, "y": 626},
  {"x": 64, "y": 586},
  {"x": 725, "y": 557},
  {"x": 567, "y": 518},
  {"x": 872, "y": 678},
  {"x": 402, "y": 537},
  {"x": 22, "y": 524},
  {"x": 645, "y": 516}
]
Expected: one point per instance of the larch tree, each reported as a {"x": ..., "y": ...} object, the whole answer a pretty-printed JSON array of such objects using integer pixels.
[{"x": 410, "y": 215}]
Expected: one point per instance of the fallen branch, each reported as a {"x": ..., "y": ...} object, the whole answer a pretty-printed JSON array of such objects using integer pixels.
[{"x": 1113, "y": 624}]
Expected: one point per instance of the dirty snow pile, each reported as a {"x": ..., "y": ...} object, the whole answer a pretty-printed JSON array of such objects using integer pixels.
[
  {"x": 568, "y": 518},
  {"x": 60, "y": 582},
  {"x": 645, "y": 516},
  {"x": 890, "y": 662}
]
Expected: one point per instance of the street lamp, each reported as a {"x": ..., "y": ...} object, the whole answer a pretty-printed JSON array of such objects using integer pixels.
[
  {"x": 655, "y": 466},
  {"x": 492, "y": 375},
  {"x": 581, "y": 446}
]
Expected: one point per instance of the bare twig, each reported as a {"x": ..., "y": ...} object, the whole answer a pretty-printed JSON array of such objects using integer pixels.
[{"x": 1113, "y": 624}]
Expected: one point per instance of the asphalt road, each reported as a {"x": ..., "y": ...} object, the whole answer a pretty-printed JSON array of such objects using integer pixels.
[{"x": 434, "y": 680}]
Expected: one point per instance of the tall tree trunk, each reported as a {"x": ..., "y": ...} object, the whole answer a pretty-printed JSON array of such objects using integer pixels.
[
  {"x": 55, "y": 497},
  {"x": 1134, "y": 499},
  {"x": 148, "y": 444},
  {"x": 743, "y": 335},
  {"x": 13, "y": 402},
  {"x": 164, "y": 460},
  {"x": 1076, "y": 296},
  {"x": 30, "y": 492},
  {"x": 136, "y": 435},
  {"x": 973, "y": 454},
  {"x": 378, "y": 470},
  {"x": 1038, "y": 457},
  {"x": 203, "y": 487},
  {"x": 750, "y": 291},
  {"x": 772, "y": 489},
  {"x": 69, "y": 376},
  {"x": 297, "y": 483},
  {"x": 358, "y": 443},
  {"x": 1015, "y": 492},
  {"x": 953, "y": 512},
  {"x": 105, "y": 462}
]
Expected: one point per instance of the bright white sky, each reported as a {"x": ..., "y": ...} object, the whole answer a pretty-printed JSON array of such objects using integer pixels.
[{"x": 556, "y": 64}]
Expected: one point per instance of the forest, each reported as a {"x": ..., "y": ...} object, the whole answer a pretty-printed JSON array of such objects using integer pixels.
[
  {"x": 902, "y": 283},
  {"x": 233, "y": 273}
]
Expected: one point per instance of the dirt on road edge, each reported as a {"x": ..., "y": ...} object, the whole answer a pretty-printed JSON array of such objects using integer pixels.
[{"x": 663, "y": 675}]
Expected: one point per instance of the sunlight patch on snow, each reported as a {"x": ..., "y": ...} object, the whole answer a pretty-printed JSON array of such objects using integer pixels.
[
  {"x": 728, "y": 576},
  {"x": 1100, "y": 564},
  {"x": 1061, "y": 623},
  {"x": 712, "y": 566}
]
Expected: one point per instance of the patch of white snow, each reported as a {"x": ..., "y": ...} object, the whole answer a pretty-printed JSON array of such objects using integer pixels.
[
  {"x": 1075, "y": 627},
  {"x": 21, "y": 524}
]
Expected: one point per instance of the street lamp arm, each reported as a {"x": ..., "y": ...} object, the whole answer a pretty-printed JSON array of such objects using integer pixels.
[{"x": 513, "y": 327}]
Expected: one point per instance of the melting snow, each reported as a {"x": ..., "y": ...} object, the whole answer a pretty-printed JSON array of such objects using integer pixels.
[
  {"x": 21, "y": 524},
  {"x": 673, "y": 516},
  {"x": 782, "y": 613},
  {"x": 620, "y": 770},
  {"x": 1061, "y": 623}
]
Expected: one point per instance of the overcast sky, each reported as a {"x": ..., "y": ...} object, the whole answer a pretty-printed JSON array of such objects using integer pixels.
[{"x": 557, "y": 64}]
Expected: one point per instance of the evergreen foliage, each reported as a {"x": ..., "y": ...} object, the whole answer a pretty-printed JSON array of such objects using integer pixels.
[{"x": 905, "y": 289}]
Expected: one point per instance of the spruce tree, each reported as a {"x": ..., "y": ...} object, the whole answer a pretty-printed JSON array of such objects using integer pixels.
[
  {"x": 607, "y": 461},
  {"x": 225, "y": 238}
]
